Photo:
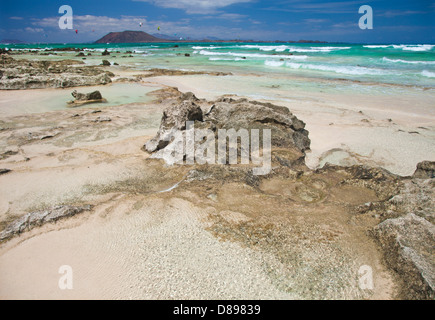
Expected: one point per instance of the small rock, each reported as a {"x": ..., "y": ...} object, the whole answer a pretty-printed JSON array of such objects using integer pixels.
[
  {"x": 425, "y": 170},
  {"x": 4, "y": 171},
  {"x": 38, "y": 218},
  {"x": 102, "y": 119},
  {"x": 105, "y": 63},
  {"x": 212, "y": 197},
  {"x": 95, "y": 95},
  {"x": 409, "y": 248},
  {"x": 47, "y": 137}
]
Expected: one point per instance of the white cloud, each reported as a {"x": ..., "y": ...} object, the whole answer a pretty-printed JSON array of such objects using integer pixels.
[
  {"x": 34, "y": 30},
  {"x": 195, "y": 6},
  {"x": 315, "y": 21},
  {"x": 391, "y": 13},
  {"x": 232, "y": 16}
]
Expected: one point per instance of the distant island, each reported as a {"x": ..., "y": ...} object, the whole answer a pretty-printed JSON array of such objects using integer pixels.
[
  {"x": 129, "y": 37},
  {"x": 143, "y": 37}
]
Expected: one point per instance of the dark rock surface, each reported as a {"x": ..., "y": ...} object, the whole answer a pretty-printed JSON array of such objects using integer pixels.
[
  {"x": 25, "y": 74},
  {"x": 408, "y": 243},
  {"x": 287, "y": 130},
  {"x": 38, "y": 218},
  {"x": 425, "y": 170},
  {"x": 96, "y": 95}
]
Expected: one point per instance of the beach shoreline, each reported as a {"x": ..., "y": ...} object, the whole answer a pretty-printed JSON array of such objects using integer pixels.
[{"x": 205, "y": 239}]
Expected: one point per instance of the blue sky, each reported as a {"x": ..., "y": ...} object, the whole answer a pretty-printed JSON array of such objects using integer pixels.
[{"x": 398, "y": 21}]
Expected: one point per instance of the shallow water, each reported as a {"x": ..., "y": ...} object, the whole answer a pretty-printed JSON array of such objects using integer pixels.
[
  {"x": 45, "y": 100},
  {"x": 387, "y": 63}
]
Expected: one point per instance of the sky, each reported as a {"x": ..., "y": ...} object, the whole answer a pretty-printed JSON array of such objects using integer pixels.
[{"x": 394, "y": 21}]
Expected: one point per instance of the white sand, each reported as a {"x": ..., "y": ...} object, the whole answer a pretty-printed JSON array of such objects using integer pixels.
[{"x": 160, "y": 251}]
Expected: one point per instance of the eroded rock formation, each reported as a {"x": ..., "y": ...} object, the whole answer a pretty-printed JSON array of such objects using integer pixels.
[
  {"x": 25, "y": 74},
  {"x": 403, "y": 206}
]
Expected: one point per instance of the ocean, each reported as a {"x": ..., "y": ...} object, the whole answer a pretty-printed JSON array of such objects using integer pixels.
[{"x": 400, "y": 64}]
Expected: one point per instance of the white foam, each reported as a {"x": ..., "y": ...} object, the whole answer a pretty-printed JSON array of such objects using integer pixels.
[
  {"x": 225, "y": 59},
  {"x": 376, "y": 46},
  {"x": 281, "y": 48},
  {"x": 416, "y": 47},
  {"x": 317, "y": 49},
  {"x": 351, "y": 70},
  {"x": 252, "y": 55},
  {"x": 407, "y": 61},
  {"x": 428, "y": 74},
  {"x": 272, "y": 63}
]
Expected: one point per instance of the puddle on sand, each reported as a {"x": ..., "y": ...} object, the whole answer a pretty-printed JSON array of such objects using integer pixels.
[{"x": 43, "y": 100}]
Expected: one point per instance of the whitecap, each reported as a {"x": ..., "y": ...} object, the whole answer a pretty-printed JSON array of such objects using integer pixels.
[
  {"x": 281, "y": 48},
  {"x": 317, "y": 49},
  {"x": 407, "y": 61},
  {"x": 377, "y": 46},
  {"x": 416, "y": 47},
  {"x": 351, "y": 70},
  {"x": 225, "y": 59},
  {"x": 428, "y": 74},
  {"x": 252, "y": 55},
  {"x": 272, "y": 63}
]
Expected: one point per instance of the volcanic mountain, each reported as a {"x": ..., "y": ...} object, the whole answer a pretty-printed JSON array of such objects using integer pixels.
[{"x": 129, "y": 37}]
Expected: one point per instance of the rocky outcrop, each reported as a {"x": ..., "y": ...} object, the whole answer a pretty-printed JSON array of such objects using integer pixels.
[
  {"x": 174, "y": 119},
  {"x": 38, "y": 218},
  {"x": 155, "y": 72},
  {"x": 425, "y": 170},
  {"x": 4, "y": 171},
  {"x": 289, "y": 138},
  {"x": 25, "y": 74},
  {"x": 402, "y": 206},
  {"x": 287, "y": 130},
  {"x": 96, "y": 95},
  {"x": 86, "y": 98},
  {"x": 409, "y": 248}
]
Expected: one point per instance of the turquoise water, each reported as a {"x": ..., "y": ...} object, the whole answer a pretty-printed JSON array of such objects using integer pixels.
[{"x": 392, "y": 64}]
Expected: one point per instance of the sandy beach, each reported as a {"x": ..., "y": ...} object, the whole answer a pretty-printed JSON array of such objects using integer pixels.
[{"x": 292, "y": 235}]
